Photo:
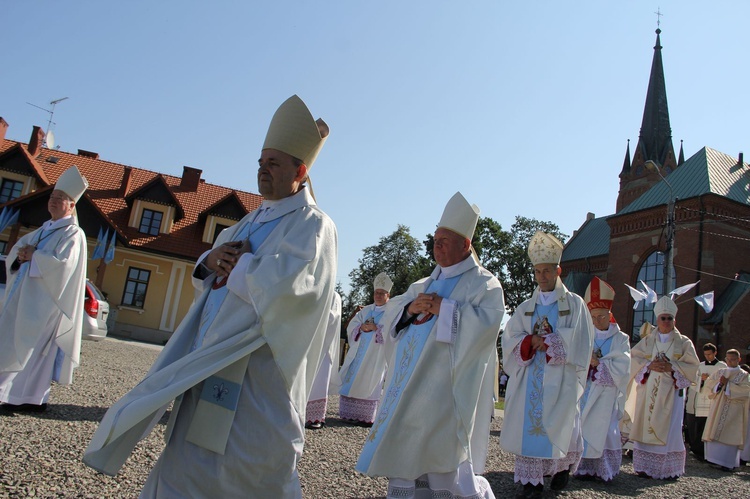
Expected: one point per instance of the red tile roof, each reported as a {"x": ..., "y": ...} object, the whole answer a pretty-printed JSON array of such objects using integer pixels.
[{"x": 105, "y": 191}]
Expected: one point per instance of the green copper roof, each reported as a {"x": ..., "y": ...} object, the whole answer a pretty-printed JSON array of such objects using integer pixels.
[
  {"x": 707, "y": 171},
  {"x": 592, "y": 239}
]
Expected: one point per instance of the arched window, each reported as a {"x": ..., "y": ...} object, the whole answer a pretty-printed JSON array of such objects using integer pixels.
[{"x": 652, "y": 273}]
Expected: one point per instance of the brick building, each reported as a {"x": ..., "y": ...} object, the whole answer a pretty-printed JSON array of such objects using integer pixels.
[
  {"x": 162, "y": 224},
  {"x": 711, "y": 195}
]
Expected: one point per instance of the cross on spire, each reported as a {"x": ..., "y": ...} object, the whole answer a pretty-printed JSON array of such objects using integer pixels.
[{"x": 658, "y": 17}]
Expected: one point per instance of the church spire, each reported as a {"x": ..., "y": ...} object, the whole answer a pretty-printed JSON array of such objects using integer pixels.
[
  {"x": 655, "y": 140},
  {"x": 682, "y": 155},
  {"x": 626, "y": 163}
]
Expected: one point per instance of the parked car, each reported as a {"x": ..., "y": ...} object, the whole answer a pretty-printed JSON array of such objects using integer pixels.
[{"x": 97, "y": 311}]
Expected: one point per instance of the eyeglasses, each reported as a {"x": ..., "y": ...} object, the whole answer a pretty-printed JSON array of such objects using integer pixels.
[
  {"x": 600, "y": 317},
  {"x": 666, "y": 319}
]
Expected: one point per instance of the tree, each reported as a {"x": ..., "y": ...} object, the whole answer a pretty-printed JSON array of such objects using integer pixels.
[
  {"x": 398, "y": 255},
  {"x": 518, "y": 266}
]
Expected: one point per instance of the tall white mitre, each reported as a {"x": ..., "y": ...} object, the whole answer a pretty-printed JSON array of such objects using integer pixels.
[
  {"x": 72, "y": 183},
  {"x": 293, "y": 130},
  {"x": 459, "y": 216},
  {"x": 545, "y": 248},
  {"x": 665, "y": 305},
  {"x": 382, "y": 281}
]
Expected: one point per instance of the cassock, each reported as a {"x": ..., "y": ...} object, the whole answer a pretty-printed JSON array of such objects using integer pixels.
[
  {"x": 659, "y": 449},
  {"x": 317, "y": 402},
  {"x": 43, "y": 313},
  {"x": 542, "y": 421},
  {"x": 698, "y": 404},
  {"x": 724, "y": 434},
  {"x": 361, "y": 375},
  {"x": 434, "y": 417},
  {"x": 240, "y": 365},
  {"x": 603, "y": 403}
]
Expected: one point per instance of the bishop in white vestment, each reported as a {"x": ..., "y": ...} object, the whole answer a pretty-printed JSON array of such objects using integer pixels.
[
  {"x": 317, "y": 402},
  {"x": 241, "y": 364},
  {"x": 361, "y": 375},
  {"x": 663, "y": 365},
  {"x": 40, "y": 339},
  {"x": 603, "y": 399},
  {"x": 547, "y": 348},
  {"x": 432, "y": 428}
]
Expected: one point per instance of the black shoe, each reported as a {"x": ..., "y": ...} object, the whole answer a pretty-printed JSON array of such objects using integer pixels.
[
  {"x": 531, "y": 491},
  {"x": 315, "y": 426},
  {"x": 363, "y": 424},
  {"x": 560, "y": 480},
  {"x": 724, "y": 468},
  {"x": 643, "y": 474},
  {"x": 25, "y": 407}
]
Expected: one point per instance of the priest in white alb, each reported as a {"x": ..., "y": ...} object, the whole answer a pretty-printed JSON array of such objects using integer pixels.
[
  {"x": 724, "y": 434},
  {"x": 431, "y": 432},
  {"x": 603, "y": 399},
  {"x": 241, "y": 363},
  {"x": 361, "y": 375},
  {"x": 663, "y": 365},
  {"x": 40, "y": 337},
  {"x": 699, "y": 401},
  {"x": 547, "y": 348}
]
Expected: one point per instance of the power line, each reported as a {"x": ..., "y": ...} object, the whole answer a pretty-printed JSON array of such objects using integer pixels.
[{"x": 735, "y": 279}]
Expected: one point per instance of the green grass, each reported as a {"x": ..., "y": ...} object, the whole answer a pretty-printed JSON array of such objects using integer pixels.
[{"x": 500, "y": 404}]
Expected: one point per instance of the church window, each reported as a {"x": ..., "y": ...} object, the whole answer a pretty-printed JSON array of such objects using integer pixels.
[
  {"x": 651, "y": 273},
  {"x": 135, "y": 287}
]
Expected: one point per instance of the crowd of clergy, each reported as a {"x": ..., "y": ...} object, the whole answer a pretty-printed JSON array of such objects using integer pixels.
[{"x": 254, "y": 361}]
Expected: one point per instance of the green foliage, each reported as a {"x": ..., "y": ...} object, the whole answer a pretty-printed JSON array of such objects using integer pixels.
[
  {"x": 399, "y": 256},
  {"x": 504, "y": 253}
]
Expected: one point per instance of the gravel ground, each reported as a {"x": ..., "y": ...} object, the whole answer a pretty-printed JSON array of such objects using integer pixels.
[{"x": 40, "y": 454}]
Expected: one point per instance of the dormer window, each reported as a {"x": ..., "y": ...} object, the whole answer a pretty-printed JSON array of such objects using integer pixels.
[
  {"x": 10, "y": 190},
  {"x": 151, "y": 221}
]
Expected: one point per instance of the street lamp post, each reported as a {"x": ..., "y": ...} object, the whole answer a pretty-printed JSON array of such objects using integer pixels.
[{"x": 669, "y": 264}]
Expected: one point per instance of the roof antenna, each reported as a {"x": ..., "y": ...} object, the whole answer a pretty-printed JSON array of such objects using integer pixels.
[{"x": 49, "y": 137}]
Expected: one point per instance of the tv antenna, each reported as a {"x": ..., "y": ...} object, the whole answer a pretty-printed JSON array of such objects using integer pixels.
[{"x": 48, "y": 138}]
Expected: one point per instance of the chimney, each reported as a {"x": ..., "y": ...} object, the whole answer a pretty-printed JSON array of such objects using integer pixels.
[
  {"x": 36, "y": 141},
  {"x": 590, "y": 216},
  {"x": 88, "y": 154},
  {"x": 3, "y": 128},
  {"x": 127, "y": 175},
  {"x": 191, "y": 178},
  {"x": 740, "y": 161}
]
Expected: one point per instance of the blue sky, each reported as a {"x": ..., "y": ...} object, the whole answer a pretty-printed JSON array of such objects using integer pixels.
[{"x": 524, "y": 107}]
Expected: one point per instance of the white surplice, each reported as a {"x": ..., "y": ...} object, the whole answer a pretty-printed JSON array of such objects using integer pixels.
[
  {"x": 562, "y": 384},
  {"x": 273, "y": 321},
  {"x": 436, "y": 408},
  {"x": 603, "y": 403},
  {"x": 43, "y": 312},
  {"x": 317, "y": 402}
]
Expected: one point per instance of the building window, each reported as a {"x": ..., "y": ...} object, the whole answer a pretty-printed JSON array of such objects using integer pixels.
[
  {"x": 3, "y": 250},
  {"x": 652, "y": 273},
  {"x": 135, "y": 287},
  {"x": 217, "y": 231},
  {"x": 150, "y": 221},
  {"x": 10, "y": 190}
]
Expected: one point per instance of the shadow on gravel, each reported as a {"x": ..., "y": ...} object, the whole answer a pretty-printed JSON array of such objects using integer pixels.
[{"x": 67, "y": 412}]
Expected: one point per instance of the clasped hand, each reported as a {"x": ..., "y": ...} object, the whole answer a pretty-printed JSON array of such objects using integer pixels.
[
  {"x": 223, "y": 258},
  {"x": 25, "y": 252},
  {"x": 537, "y": 342},
  {"x": 425, "y": 303},
  {"x": 660, "y": 366}
]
